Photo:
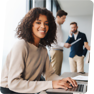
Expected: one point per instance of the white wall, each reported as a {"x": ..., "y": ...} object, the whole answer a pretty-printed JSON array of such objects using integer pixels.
[
  {"x": 85, "y": 26},
  {"x": 15, "y": 11}
]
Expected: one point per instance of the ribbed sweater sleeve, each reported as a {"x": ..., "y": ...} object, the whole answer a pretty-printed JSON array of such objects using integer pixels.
[{"x": 17, "y": 65}]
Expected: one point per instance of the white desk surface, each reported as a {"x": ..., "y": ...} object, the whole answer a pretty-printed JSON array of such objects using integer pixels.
[{"x": 73, "y": 74}]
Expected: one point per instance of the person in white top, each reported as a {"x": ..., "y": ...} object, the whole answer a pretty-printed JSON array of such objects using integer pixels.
[{"x": 56, "y": 50}]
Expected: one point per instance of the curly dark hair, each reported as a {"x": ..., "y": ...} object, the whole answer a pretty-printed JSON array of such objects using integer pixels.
[{"x": 24, "y": 28}]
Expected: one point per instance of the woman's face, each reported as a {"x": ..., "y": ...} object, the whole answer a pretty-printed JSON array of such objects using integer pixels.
[{"x": 40, "y": 27}]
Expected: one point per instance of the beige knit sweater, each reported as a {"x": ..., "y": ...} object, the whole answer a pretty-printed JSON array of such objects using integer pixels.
[{"x": 23, "y": 67}]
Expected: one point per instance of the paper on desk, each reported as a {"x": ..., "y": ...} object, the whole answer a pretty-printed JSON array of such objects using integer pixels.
[
  {"x": 78, "y": 93},
  {"x": 76, "y": 41},
  {"x": 80, "y": 77}
]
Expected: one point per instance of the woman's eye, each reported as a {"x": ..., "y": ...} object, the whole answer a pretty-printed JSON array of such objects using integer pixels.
[
  {"x": 38, "y": 22},
  {"x": 46, "y": 23}
]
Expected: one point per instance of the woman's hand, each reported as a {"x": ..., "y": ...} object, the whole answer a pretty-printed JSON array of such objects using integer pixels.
[{"x": 64, "y": 83}]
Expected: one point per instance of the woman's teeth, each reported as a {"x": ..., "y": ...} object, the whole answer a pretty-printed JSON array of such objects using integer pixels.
[{"x": 41, "y": 31}]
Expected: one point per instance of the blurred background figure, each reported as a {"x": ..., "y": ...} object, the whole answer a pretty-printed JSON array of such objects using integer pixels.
[
  {"x": 77, "y": 52},
  {"x": 56, "y": 51}
]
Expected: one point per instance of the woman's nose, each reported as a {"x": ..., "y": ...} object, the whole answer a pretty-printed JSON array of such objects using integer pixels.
[{"x": 43, "y": 25}]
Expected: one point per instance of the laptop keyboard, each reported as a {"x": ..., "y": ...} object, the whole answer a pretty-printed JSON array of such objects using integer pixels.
[{"x": 78, "y": 89}]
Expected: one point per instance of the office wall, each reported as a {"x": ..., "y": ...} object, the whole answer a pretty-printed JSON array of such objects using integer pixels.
[
  {"x": 15, "y": 11},
  {"x": 85, "y": 26}
]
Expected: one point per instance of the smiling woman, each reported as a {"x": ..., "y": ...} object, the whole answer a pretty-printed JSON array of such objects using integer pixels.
[
  {"x": 28, "y": 58},
  {"x": 34, "y": 19},
  {"x": 40, "y": 28}
]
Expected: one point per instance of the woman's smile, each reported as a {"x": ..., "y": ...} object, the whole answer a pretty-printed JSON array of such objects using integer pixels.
[{"x": 42, "y": 31}]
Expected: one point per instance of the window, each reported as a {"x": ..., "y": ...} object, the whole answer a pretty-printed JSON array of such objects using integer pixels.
[
  {"x": 15, "y": 11},
  {"x": 48, "y": 4},
  {"x": 55, "y": 7}
]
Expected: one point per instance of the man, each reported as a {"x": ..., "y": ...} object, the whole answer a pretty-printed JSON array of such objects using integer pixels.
[
  {"x": 77, "y": 53},
  {"x": 56, "y": 51}
]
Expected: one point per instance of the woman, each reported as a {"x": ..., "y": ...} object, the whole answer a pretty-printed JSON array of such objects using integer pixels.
[{"x": 28, "y": 58}]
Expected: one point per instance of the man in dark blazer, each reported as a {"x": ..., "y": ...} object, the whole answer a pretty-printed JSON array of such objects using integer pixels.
[{"x": 78, "y": 50}]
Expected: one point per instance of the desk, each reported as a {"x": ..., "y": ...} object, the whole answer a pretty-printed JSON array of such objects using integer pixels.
[{"x": 73, "y": 74}]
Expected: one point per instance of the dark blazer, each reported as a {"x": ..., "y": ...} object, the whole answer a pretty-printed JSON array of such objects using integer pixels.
[{"x": 77, "y": 48}]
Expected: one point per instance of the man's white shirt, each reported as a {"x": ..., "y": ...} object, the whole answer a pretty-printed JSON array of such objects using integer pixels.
[{"x": 59, "y": 37}]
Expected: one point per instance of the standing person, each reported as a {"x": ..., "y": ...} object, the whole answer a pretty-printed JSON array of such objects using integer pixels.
[
  {"x": 28, "y": 58},
  {"x": 78, "y": 50},
  {"x": 56, "y": 51}
]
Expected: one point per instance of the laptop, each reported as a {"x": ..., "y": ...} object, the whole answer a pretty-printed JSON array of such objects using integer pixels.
[{"x": 82, "y": 88}]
